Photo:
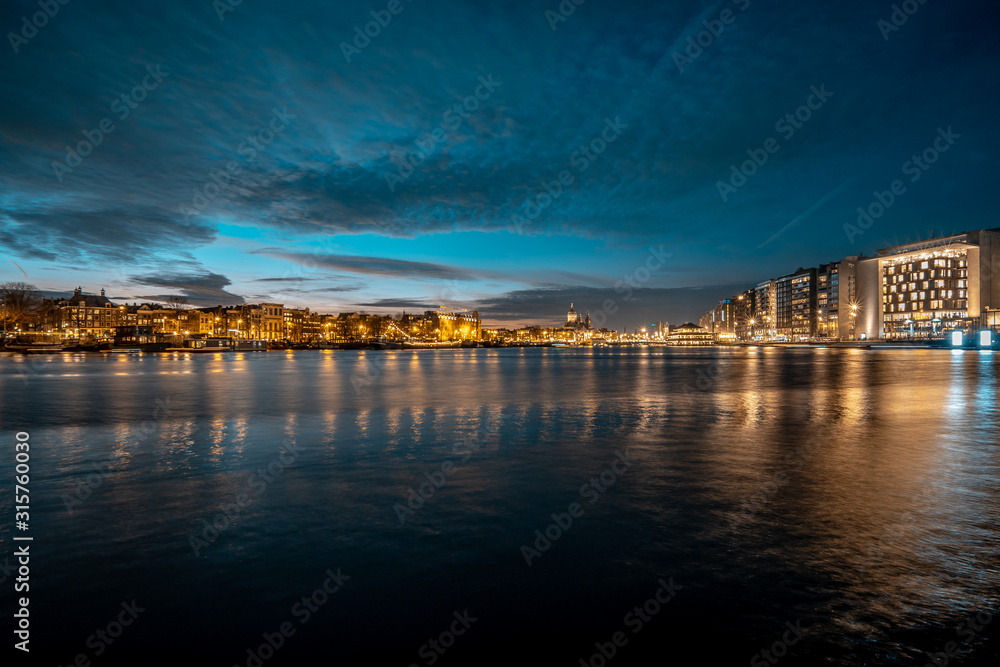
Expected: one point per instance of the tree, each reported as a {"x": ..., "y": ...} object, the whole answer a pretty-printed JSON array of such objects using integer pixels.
[
  {"x": 177, "y": 303},
  {"x": 18, "y": 301}
]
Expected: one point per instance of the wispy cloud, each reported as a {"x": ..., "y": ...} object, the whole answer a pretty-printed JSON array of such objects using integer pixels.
[{"x": 372, "y": 266}]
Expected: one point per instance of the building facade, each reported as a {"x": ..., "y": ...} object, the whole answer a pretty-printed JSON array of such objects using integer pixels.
[
  {"x": 765, "y": 317},
  {"x": 922, "y": 290},
  {"x": 689, "y": 335}
]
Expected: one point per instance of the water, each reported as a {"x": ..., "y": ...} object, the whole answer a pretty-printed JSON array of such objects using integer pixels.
[{"x": 849, "y": 494}]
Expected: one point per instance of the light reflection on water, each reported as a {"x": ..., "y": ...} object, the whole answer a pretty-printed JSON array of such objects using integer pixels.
[{"x": 881, "y": 535}]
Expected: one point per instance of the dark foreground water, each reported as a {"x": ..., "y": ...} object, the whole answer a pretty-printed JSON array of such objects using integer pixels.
[{"x": 830, "y": 507}]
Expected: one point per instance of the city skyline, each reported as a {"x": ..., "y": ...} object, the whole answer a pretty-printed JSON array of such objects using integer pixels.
[{"x": 538, "y": 160}]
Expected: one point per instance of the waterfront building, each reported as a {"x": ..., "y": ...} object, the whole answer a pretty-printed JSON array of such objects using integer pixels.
[
  {"x": 312, "y": 326},
  {"x": 572, "y": 317},
  {"x": 743, "y": 314},
  {"x": 457, "y": 326},
  {"x": 922, "y": 290},
  {"x": 204, "y": 321},
  {"x": 690, "y": 334},
  {"x": 267, "y": 321},
  {"x": 293, "y": 320},
  {"x": 797, "y": 313},
  {"x": 766, "y": 310},
  {"x": 442, "y": 326},
  {"x": 990, "y": 319},
  {"x": 827, "y": 299},
  {"x": 836, "y": 290},
  {"x": 721, "y": 320},
  {"x": 237, "y": 322},
  {"x": 86, "y": 316},
  {"x": 662, "y": 330},
  {"x": 576, "y": 328},
  {"x": 795, "y": 305}
]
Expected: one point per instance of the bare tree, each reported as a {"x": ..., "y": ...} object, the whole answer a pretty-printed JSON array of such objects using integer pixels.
[
  {"x": 18, "y": 301},
  {"x": 177, "y": 303}
]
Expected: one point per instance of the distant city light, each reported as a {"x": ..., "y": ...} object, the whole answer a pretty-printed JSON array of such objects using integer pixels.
[
  {"x": 957, "y": 338},
  {"x": 985, "y": 338}
]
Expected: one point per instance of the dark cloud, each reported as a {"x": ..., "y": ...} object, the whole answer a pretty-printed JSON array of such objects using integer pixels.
[
  {"x": 374, "y": 266},
  {"x": 400, "y": 303},
  {"x": 621, "y": 307},
  {"x": 81, "y": 236},
  {"x": 200, "y": 290}
]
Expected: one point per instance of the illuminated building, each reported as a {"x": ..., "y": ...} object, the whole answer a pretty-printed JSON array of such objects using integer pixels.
[
  {"x": 87, "y": 316},
  {"x": 721, "y": 320},
  {"x": 575, "y": 328},
  {"x": 572, "y": 317},
  {"x": 744, "y": 313},
  {"x": 922, "y": 290},
  {"x": 690, "y": 334},
  {"x": 836, "y": 290},
  {"x": 766, "y": 310},
  {"x": 991, "y": 319},
  {"x": 795, "y": 305},
  {"x": 442, "y": 326}
]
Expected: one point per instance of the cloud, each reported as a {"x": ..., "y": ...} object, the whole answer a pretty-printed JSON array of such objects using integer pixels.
[
  {"x": 400, "y": 303},
  {"x": 293, "y": 279},
  {"x": 548, "y": 307},
  {"x": 373, "y": 266},
  {"x": 196, "y": 289},
  {"x": 110, "y": 234}
]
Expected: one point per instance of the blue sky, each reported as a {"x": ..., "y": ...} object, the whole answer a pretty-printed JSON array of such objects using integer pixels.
[{"x": 269, "y": 157}]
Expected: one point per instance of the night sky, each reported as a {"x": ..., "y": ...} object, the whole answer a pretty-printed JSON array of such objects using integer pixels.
[{"x": 272, "y": 152}]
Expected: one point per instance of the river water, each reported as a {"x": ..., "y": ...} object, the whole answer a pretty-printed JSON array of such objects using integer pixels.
[{"x": 827, "y": 506}]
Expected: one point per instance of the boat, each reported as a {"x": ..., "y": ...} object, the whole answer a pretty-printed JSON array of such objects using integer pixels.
[
  {"x": 417, "y": 345},
  {"x": 26, "y": 347},
  {"x": 93, "y": 347},
  {"x": 36, "y": 348},
  {"x": 250, "y": 346}
]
